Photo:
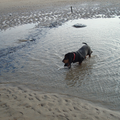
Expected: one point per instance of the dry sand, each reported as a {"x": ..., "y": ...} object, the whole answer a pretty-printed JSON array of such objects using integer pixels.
[{"x": 17, "y": 103}]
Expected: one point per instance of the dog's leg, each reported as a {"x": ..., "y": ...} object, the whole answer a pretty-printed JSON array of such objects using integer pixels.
[
  {"x": 69, "y": 65},
  {"x": 89, "y": 55},
  {"x": 66, "y": 64},
  {"x": 80, "y": 63}
]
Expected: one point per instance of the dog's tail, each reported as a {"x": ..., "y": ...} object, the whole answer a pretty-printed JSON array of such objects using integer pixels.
[{"x": 84, "y": 43}]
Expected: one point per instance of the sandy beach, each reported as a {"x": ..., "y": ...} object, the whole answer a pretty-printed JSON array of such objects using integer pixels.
[{"x": 18, "y": 103}]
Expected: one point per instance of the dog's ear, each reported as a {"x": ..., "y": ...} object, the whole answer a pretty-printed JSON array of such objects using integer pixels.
[
  {"x": 70, "y": 56},
  {"x": 70, "y": 60}
]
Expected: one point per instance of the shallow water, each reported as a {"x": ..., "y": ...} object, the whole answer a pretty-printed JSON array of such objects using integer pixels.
[
  {"x": 38, "y": 64},
  {"x": 31, "y": 55}
]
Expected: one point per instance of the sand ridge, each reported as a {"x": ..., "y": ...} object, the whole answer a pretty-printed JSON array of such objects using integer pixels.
[{"x": 17, "y": 103}]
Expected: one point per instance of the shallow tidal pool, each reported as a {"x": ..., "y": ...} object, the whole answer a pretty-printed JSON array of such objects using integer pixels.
[{"x": 32, "y": 56}]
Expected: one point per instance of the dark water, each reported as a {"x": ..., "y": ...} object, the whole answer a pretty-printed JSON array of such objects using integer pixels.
[{"x": 31, "y": 55}]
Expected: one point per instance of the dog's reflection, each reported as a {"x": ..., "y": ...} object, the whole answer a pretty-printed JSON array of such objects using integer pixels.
[{"x": 77, "y": 74}]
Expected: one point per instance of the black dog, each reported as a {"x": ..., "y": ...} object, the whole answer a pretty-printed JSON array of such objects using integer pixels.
[{"x": 77, "y": 56}]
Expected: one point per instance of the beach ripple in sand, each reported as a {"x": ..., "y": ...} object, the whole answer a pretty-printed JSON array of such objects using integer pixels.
[
  {"x": 20, "y": 104},
  {"x": 53, "y": 18}
]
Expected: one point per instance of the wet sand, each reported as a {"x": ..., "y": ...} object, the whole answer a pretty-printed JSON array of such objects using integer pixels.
[
  {"x": 23, "y": 5},
  {"x": 14, "y": 13},
  {"x": 18, "y": 103}
]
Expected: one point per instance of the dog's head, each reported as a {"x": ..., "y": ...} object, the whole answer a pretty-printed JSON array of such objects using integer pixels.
[{"x": 68, "y": 59}]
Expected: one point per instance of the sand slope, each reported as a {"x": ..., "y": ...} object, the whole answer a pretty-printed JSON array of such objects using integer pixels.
[{"x": 19, "y": 104}]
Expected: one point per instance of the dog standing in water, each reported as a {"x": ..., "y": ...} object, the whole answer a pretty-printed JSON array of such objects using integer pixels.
[{"x": 77, "y": 56}]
